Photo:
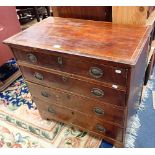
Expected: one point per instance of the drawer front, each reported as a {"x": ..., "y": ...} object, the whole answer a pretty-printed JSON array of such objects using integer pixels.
[
  {"x": 68, "y": 116},
  {"x": 92, "y": 90},
  {"x": 86, "y": 69},
  {"x": 98, "y": 110}
]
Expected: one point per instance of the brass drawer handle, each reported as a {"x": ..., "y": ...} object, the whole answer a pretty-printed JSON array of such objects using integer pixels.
[
  {"x": 97, "y": 92},
  {"x": 98, "y": 111},
  {"x": 52, "y": 111},
  {"x": 38, "y": 76},
  {"x": 96, "y": 72},
  {"x": 100, "y": 128},
  {"x": 45, "y": 94},
  {"x": 59, "y": 60},
  {"x": 32, "y": 58}
]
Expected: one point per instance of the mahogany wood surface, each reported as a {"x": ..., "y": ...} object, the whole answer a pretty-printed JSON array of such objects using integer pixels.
[
  {"x": 84, "y": 12},
  {"x": 113, "y": 42},
  {"x": 73, "y": 66},
  {"x": 68, "y": 116},
  {"x": 77, "y": 86},
  {"x": 76, "y": 102}
]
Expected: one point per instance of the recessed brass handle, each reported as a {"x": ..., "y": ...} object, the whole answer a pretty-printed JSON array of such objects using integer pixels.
[
  {"x": 97, "y": 92},
  {"x": 98, "y": 111},
  {"x": 45, "y": 94},
  {"x": 38, "y": 76},
  {"x": 60, "y": 60},
  {"x": 96, "y": 72},
  {"x": 52, "y": 111},
  {"x": 32, "y": 58},
  {"x": 100, "y": 128}
]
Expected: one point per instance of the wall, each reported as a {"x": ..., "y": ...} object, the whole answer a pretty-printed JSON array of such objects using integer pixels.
[{"x": 9, "y": 25}]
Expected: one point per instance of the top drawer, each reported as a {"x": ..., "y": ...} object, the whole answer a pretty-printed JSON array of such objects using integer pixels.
[{"x": 74, "y": 66}]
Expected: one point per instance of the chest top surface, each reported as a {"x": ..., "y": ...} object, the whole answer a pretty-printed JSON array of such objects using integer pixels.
[{"x": 97, "y": 39}]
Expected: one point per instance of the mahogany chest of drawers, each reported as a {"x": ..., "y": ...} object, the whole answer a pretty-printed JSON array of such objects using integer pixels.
[{"x": 88, "y": 74}]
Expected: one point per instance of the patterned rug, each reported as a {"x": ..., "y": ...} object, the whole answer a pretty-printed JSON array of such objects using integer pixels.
[
  {"x": 21, "y": 125},
  {"x": 145, "y": 135}
]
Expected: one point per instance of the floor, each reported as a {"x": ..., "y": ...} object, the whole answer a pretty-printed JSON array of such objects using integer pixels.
[{"x": 146, "y": 133}]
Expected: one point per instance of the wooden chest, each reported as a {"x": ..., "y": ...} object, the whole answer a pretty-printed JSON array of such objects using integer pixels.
[{"x": 88, "y": 74}]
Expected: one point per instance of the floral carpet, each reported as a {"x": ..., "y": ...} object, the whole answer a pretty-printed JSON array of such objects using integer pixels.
[{"x": 21, "y": 125}]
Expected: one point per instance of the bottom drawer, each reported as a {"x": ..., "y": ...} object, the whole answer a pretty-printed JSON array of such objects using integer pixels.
[{"x": 63, "y": 114}]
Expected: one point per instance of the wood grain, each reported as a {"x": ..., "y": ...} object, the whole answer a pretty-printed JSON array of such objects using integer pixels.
[
  {"x": 100, "y": 40},
  {"x": 110, "y": 74},
  {"x": 78, "y": 103},
  {"x": 73, "y": 117},
  {"x": 77, "y": 86},
  {"x": 134, "y": 15},
  {"x": 101, "y": 13}
]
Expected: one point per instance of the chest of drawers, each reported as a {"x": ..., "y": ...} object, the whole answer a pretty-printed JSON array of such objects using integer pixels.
[{"x": 87, "y": 74}]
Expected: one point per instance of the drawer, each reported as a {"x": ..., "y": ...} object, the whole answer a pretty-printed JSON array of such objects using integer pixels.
[
  {"x": 98, "y": 110},
  {"x": 62, "y": 114},
  {"x": 92, "y": 90},
  {"x": 74, "y": 66}
]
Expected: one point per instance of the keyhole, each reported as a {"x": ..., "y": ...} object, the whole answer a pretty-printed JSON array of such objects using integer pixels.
[
  {"x": 68, "y": 96},
  {"x": 64, "y": 79}
]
